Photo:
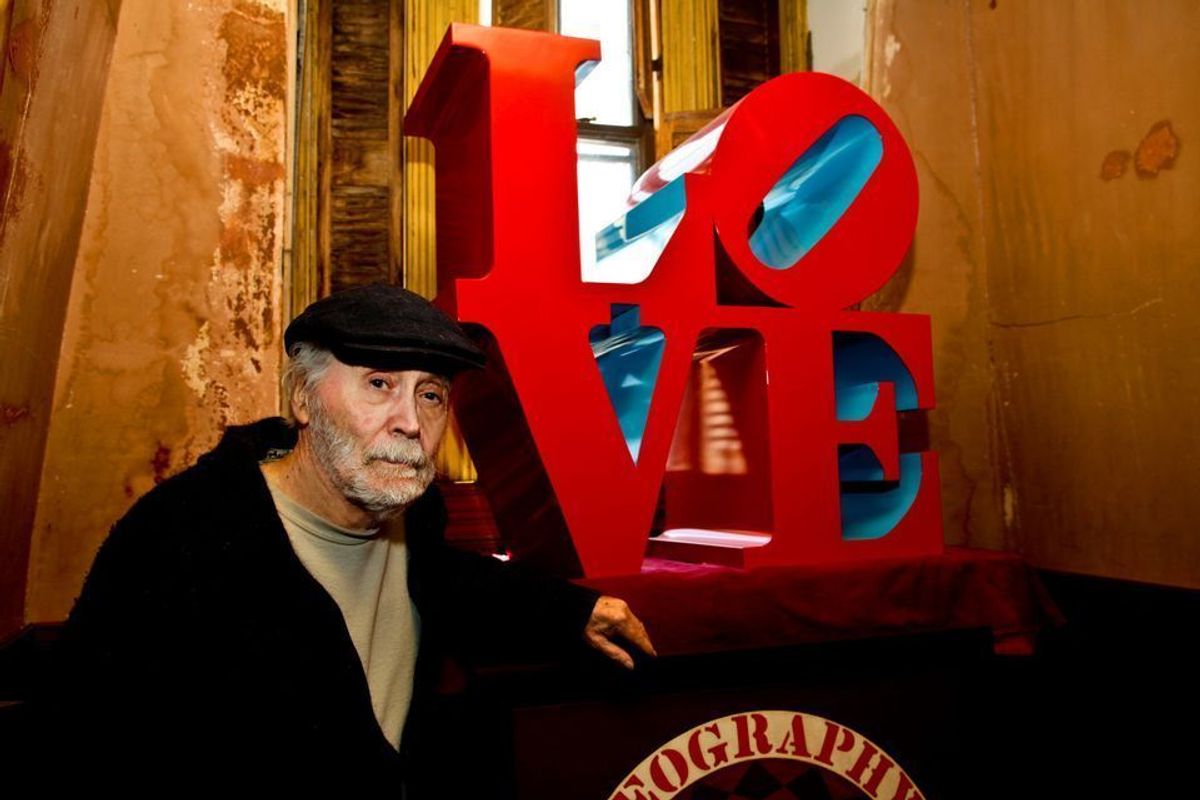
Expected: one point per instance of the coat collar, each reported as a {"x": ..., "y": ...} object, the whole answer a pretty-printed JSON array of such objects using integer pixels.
[
  {"x": 256, "y": 440},
  {"x": 243, "y": 446}
]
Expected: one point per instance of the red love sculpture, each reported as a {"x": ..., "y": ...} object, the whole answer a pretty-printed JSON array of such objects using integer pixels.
[{"x": 732, "y": 388}]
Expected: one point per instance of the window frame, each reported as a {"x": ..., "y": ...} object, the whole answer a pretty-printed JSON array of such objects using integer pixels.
[{"x": 639, "y": 135}]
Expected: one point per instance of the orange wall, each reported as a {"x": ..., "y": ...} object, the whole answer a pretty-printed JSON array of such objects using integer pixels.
[
  {"x": 52, "y": 77},
  {"x": 173, "y": 322},
  {"x": 1057, "y": 251}
]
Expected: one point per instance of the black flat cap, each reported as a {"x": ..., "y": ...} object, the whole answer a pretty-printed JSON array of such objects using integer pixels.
[{"x": 385, "y": 327}]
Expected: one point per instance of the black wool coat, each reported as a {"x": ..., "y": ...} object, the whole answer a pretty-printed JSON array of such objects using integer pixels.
[{"x": 201, "y": 648}]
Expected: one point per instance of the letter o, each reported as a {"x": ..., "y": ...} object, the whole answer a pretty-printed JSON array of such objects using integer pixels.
[
  {"x": 765, "y": 135},
  {"x": 659, "y": 775}
]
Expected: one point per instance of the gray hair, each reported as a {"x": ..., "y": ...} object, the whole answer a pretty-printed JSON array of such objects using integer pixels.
[{"x": 307, "y": 362}]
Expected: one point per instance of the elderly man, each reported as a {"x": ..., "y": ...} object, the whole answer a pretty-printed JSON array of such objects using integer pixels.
[{"x": 262, "y": 609}]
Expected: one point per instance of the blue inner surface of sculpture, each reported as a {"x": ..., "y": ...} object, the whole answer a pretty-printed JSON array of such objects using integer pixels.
[
  {"x": 815, "y": 192},
  {"x": 629, "y": 355},
  {"x": 871, "y": 506}
]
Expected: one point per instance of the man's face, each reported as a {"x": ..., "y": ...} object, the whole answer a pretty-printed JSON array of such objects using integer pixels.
[{"x": 375, "y": 432}]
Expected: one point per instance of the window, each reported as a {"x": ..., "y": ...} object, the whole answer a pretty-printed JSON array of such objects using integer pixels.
[
  {"x": 838, "y": 31},
  {"x": 613, "y": 131},
  {"x": 615, "y": 137},
  {"x": 606, "y": 95}
]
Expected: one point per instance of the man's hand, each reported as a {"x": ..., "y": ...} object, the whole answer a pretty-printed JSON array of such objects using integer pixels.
[{"x": 612, "y": 617}]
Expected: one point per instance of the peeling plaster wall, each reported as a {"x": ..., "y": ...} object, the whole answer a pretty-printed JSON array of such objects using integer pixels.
[
  {"x": 1057, "y": 251},
  {"x": 174, "y": 318},
  {"x": 52, "y": 76},
  {"x": 918, "y": 70}
]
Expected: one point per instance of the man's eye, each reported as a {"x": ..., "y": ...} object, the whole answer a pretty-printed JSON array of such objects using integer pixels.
[
  {"x": 432, "y": 396},
  {"x": 378, "y": 383}
]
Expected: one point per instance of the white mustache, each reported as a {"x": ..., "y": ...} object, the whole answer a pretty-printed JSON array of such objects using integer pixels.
[{"x": 408, "y": 453}]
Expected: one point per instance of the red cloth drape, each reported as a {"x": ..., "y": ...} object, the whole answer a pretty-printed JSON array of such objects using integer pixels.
[{"x": 696, "y": 608}]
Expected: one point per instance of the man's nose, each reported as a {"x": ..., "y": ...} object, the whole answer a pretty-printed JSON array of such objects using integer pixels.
[{"x": 404, "y": 421}]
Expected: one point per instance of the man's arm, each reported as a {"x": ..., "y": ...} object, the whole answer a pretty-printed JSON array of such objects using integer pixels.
[{"x": 496, "y": 605}]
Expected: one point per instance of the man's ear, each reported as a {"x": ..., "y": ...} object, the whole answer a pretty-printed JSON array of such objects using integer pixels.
[{"x": 300, "y": 408}]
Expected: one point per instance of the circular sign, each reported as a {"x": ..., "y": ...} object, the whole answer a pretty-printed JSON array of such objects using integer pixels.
[{"x": 776, "y": 754}]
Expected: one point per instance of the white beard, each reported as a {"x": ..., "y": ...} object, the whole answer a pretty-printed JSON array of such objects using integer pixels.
[{"x": 350, "y": 467}]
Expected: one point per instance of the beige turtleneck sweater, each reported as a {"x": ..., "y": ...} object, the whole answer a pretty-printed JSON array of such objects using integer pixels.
[{"x": 366, "y": 573}]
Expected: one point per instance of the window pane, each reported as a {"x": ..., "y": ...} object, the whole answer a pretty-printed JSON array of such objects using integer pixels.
[
  {"x": 606, "y": 174},
  {"x": 606, "y": 95},
  {"x": 838, "y": 32}
]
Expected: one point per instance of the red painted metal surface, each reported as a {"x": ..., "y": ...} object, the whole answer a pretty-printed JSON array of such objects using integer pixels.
[{"x": 498, "y": 106}]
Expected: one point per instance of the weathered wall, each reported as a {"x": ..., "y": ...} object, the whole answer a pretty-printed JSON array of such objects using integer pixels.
[
  {"x": 52, "y": 81},
  {"x": 1058, "y": 253},
  {"x": 173, "y": 319},
  {"x": 919, "y": 70}
]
